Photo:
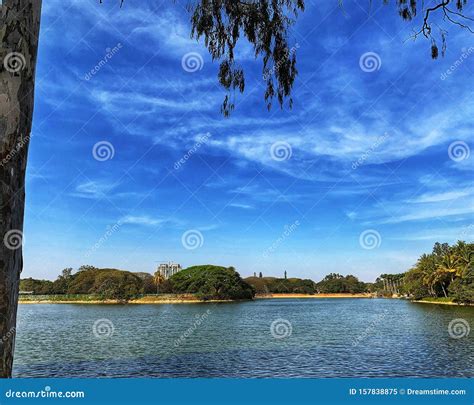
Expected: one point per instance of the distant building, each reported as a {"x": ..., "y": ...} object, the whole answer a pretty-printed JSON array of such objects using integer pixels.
[{"x": 169, "y": 269}]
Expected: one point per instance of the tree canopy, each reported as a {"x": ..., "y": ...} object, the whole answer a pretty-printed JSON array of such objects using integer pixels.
[
  {"x": 446, "y": 272},
  {"x": 266, "y": 285},
  {"x": 336, "y": 283},
  {"x": 266, "y": 24},
  {"x": 211, "y": 282}
]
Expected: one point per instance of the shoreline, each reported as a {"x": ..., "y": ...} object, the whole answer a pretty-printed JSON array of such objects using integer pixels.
[
  {"x": 443, "y": 303},
  {"x": 313, "y": 296},
  {"x": 189, "y": 299}
]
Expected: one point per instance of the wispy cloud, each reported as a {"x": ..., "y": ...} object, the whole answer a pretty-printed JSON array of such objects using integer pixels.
[
  {"x": 142, "y": 220},
  {"x": 93, "y": 189}
]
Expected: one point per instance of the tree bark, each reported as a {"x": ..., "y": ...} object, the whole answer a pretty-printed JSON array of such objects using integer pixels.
[{"x": 19, "y": 30}]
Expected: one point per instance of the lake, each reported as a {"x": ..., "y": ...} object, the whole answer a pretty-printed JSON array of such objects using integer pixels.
[{"x": 264, "y": 338}]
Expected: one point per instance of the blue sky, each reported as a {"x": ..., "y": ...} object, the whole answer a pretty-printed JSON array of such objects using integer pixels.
[{"x": 364, "y": 174}]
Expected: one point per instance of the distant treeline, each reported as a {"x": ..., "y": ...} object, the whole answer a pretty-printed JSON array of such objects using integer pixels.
[
  {"x": 331, "y": 284},
  {"x": 446, "y": 272},
  {"x": 206, "y": 282}
]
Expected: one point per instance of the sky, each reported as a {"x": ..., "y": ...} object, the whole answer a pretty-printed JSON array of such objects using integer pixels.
[{"x": 131, "y": 162}]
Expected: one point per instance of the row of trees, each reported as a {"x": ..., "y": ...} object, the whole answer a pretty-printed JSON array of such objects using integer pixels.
[
  {"x": 268, "y": 285},
  {"x": 336, "y": 283},
  {"x": 445, "y": 272},
  {"x": 207, "y": 282},
  {"x": 105, "y": 283}
]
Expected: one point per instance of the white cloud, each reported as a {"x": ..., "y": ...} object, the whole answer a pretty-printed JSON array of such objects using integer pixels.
[
  {"x": 93, "y": 189},
  {"x": 142, "y": 220}
]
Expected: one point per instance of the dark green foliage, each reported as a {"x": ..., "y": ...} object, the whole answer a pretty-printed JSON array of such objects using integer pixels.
[
  {"x": 211, "y": 282},
  {"x": 462, "y": 291},
  {"x": 149, "y": 286},
  {"x": 107, "y": 283},
  {"x": 413, "y": 284},
  {"x": 336, "y": 283},
  {"x": 435, "y": 15},
  {"x": 446, "y": 272},
  {"x": 61, "y": 285},
  {"x": 36, "y": 286},
  {"x": 266, "y": 285},
  {"x": 265, "y": 25}
]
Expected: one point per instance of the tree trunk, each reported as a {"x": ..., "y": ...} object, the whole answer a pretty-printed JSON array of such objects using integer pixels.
[
  {"x": 444, "y": 291},
  {"x": 19, "y": 30}
]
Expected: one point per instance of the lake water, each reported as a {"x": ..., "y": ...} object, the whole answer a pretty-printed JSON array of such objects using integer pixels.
[{"x": 264, "y": 338}]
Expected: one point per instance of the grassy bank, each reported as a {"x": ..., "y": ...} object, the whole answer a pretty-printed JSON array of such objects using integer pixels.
[
  {"x": 440, "y": 301},
  {"x": 335, "y": 295},
  {"x": 94, "y": 299},
  {"x": 161, "y": 298}
]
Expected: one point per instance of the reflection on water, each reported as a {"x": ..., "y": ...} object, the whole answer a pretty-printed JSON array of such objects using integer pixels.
[{"x": 315, "y": 338}]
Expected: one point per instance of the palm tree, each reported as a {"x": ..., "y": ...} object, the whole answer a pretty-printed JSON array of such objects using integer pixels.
[{"x": 159, "y": 279}]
